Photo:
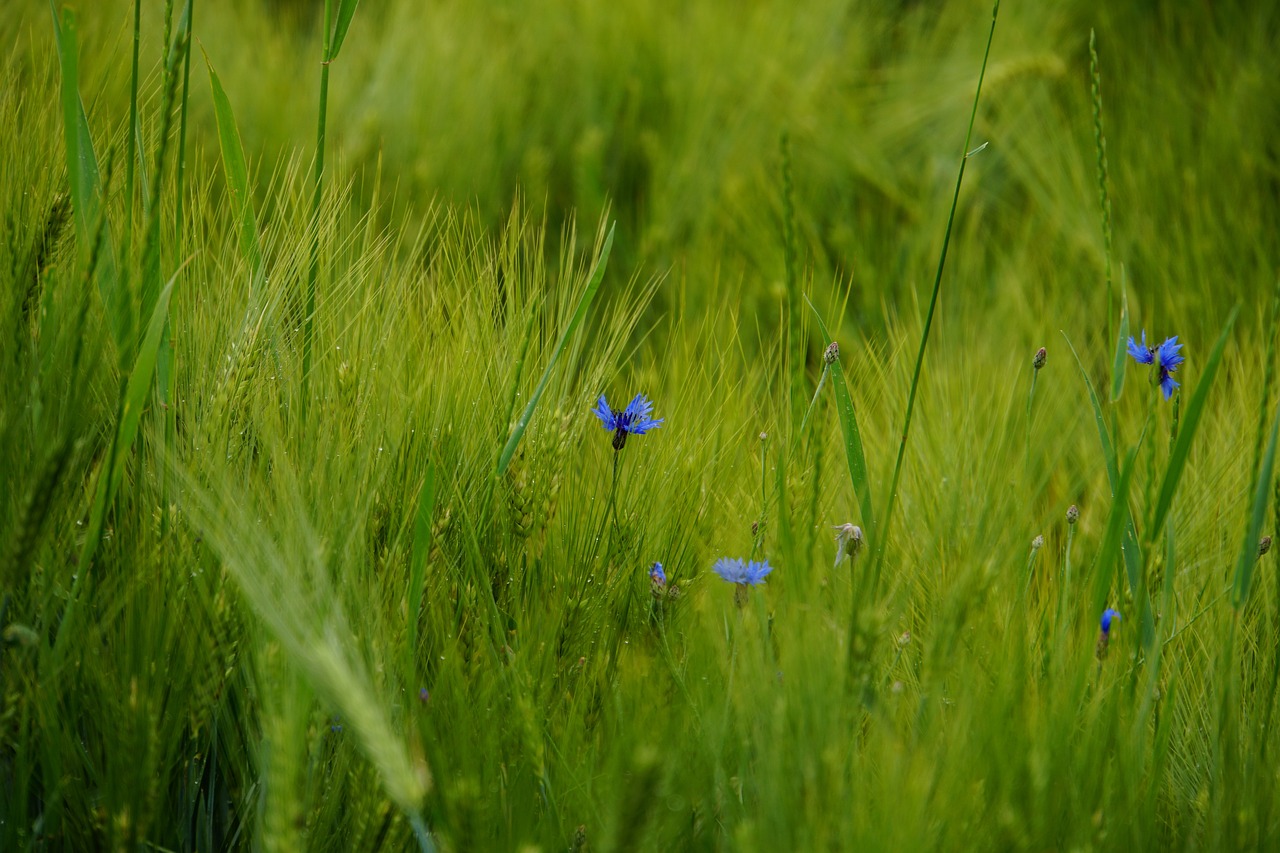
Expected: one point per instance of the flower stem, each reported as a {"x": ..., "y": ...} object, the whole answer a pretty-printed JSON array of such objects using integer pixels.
[{"x": 613, "y": 496}]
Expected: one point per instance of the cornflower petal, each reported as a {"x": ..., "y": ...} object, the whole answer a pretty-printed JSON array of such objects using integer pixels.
[
  {"x": 1140, "y": 351},
  {"x": 604, "y": 413}
]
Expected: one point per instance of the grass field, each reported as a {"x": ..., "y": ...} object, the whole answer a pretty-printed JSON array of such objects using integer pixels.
[{"x": 310, "y": 538}]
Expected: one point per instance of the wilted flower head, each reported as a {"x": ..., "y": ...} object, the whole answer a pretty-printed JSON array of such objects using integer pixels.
[
  {"x": 1073, "y": 514},
  {"x": 1041, "y": 356},
  {"x": 832, "y": 353},
  {"x": 1037, "y": 543},
  {"x": 1108, "y": 616},
  {"x": 657, "y": 575},
  {"x": 1264, "y": 545},
  {"x": 848, "y": 541},
  {"x": 633, "y": 420},
  {"x": 1166, "y": 357}
]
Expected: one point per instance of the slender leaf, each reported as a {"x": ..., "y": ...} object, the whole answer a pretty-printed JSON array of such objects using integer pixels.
[
  {"x": 1257, "y": 516},
  {"x": 86, "y": 183},
  {"x": 1117, "y": 523},
  {"x": 1122, "y": 350},
  {"x": 1187, "y": 432},
  {"x": 346, "y": 11},
  {"x": 853, "y": 451},
  {"x": 131, "y": 405},
  {"x": 237, "y": 170},
  {"x": 1129, "y": 547},
  {"x": 584, "y": 303},
  {"x": 1108, "y": 450},
  {"x": 421, "y": 547}
]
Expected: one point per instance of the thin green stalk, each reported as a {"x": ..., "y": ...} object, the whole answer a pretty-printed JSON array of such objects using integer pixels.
[
  {"x": 188, "y": 21},
  {"x": 757, "y": 532},
  {"x": 1031, "y": 396},
  {"x": 613, "y": 496},
  {"x": 313, "y": 270},
  {"x": 883, "y": 539},
  {"x": 1100, "y": 148},
  {"x": 1064, "y": 603},
  {"x": 131, "y": 142},
  {"x": 804, "y": 422}
]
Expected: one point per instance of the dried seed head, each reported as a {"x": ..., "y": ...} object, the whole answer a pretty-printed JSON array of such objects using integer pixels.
[
  {"x": 764, "y": 436},
  {"x": 1264, "y": 545},
  {"x": 848, "y": 541},
  {"x": 1073, "y": 514},
  {"x": 832, "y": 353},
  {"x": 1037, "y": 543},
  {"x": 1041, "y": 356},
  {"x": 904, "y": 640}
]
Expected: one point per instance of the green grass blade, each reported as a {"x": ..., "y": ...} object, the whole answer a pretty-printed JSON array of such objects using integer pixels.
[
  {"x": 86, "y": 181},
  {"x": 421, "y": 547},
  {"x": 1117, "y": 524},
  {"x": 1104, "y": 435},
  {"x": 346, "y": 11},
  {"x": 1122, "y": 350},
  {"x": 584, "y": 303},
  {"x": 237, "y": 170},
  {"x": 131, "y": 405},
  {"x": 853, "y": 451},
  {"x": 1249, "y": 548},
  {"x": 1187, "y": 432},
  {"x": 1130, "y": 550}
]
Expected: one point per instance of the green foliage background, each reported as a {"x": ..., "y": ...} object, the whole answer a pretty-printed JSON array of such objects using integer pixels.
[{"x": 251, "y": 605}]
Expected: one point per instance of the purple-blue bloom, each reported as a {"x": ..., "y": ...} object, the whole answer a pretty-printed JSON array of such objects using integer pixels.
[
  {"x": 657, "y": 575},
  {"x": 736, "y": 571},
  {"x": 1108, "y": 616},
  {"x": 1166, "y": 356},
  {"x": 633, "y": 420}
]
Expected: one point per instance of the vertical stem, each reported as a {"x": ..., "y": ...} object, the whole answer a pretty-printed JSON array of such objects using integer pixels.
[
  {"x": 881, "y": 544},
  {"x": 1030, "y": 399},
  {"x": 314, "y": 269},
  {"x": 757, "y": 535},
  {"x": 613, "y": 496},
  {"x": 189, "y": 22},
  {"x": 131, "y": 142}
]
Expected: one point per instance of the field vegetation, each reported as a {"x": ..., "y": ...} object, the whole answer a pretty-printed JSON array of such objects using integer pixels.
[{"x": 314, "y": 534}]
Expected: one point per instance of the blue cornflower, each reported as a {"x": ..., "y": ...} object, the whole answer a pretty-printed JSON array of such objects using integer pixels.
[
  {"x": 1166, "y": 356},
  {"x": 1108, "y": 616},
  {"x": 736, "y": 571},
  {"x": 657, "y": 575},
  {"x": 743, "y": 574},
  {"x": 633, "y": 420}
]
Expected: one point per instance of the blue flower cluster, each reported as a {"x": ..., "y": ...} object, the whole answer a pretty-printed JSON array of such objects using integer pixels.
[
  {"x": 736, "y": 571},
  {"x": 633, "y": 420},
  {"x": 1166, "y": 356}
]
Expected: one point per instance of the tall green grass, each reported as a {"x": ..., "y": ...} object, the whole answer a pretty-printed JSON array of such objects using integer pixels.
[{"x": 308, "y": 539}]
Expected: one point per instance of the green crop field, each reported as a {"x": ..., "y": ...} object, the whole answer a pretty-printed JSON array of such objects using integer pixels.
[{"x": 903, "y": 523}]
